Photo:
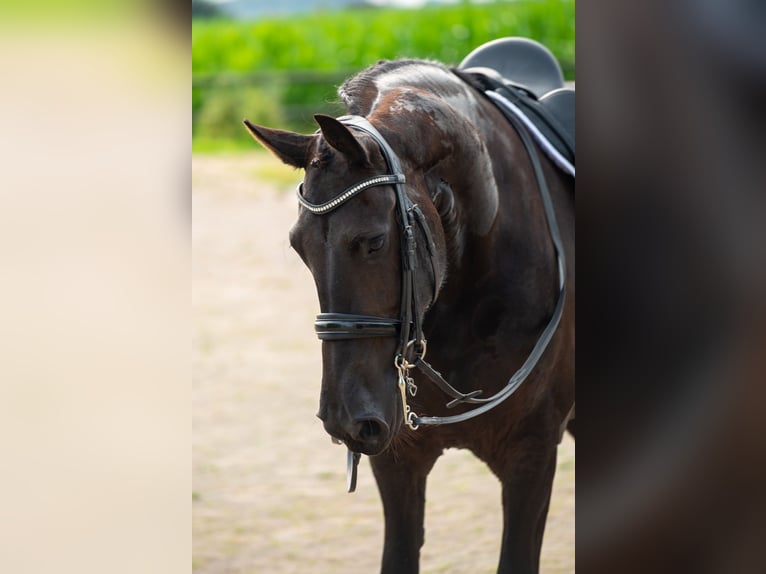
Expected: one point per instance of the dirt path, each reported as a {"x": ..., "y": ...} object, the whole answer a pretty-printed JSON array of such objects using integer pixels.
[{"x": 268, "y": 485}]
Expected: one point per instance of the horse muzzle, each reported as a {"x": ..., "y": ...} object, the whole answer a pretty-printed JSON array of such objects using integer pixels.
[{"x": 368, "y": 435}]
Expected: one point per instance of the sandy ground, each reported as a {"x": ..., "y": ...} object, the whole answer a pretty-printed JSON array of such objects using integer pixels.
[{"x": 269, "y": 487}]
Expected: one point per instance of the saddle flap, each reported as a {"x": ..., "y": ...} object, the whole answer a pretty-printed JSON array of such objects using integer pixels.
[{"x": 561, "y": 104}]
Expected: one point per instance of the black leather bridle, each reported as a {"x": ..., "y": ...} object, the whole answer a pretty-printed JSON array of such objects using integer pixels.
[{"x": 411, "y": 350}]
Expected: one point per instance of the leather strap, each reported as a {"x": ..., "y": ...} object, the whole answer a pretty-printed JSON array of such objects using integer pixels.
[
  {"x": 352, "y": 462},
  {"x": 340, "y": 326},
  {"x": 445, "y": 387}
]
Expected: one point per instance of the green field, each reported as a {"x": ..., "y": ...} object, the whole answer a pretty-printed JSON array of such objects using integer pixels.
[{"x": 279, "y": 71}]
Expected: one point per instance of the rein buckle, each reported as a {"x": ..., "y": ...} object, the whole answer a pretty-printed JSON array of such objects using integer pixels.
[{"x": 418, "y": 349}]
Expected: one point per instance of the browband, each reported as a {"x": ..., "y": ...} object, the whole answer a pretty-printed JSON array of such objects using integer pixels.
[{"x": 349, "y": 193}]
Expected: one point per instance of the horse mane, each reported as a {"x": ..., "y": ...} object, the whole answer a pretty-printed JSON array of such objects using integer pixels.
[{"x": 359, "y": 92}]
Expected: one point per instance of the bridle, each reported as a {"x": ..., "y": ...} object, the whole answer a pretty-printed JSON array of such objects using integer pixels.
[
  {"x": 411, "y": 350},
  {"x": 409, "y": 326}
]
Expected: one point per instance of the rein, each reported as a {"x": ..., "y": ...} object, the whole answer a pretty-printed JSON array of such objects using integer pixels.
[{"x": 412, "y": 344}]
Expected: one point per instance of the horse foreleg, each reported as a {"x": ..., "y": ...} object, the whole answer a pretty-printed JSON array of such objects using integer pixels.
[
  {"x": 402, "y": 484},
  {"x": 527, "y": 483}
]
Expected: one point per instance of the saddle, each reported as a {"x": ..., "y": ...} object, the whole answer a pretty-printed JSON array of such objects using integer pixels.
[{"x": 527, "y": 75}]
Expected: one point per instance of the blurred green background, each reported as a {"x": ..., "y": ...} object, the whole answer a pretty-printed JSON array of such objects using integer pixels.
[{"x": 280, "y": 70}]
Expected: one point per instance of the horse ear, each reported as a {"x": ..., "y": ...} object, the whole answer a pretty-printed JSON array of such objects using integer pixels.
[
  {"x": 341, "y": 138},
  {"x": 290, "y": 147}
]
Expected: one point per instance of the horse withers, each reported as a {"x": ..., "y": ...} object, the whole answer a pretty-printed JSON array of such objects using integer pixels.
[{"x": 439, "y": 266}]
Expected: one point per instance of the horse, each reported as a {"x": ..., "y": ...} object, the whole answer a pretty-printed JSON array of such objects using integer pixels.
[{"x": 423, "y": 225}]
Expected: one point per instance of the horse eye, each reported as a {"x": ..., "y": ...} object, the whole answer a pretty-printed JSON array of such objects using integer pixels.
[{"x": 376, "y": 244}]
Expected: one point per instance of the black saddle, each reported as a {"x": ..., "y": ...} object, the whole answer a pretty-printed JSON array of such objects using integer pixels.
[{"x": 527, "y": 74}]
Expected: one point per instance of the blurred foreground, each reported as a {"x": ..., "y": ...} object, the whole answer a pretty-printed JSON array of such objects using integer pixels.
[{"x": 671, "y": 370}]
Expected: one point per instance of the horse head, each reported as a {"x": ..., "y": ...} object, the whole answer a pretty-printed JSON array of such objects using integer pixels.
[{"x": 356, "y": 253}]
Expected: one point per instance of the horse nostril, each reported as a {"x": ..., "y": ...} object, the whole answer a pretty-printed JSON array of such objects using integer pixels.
[{"x": 370, "y": 429}]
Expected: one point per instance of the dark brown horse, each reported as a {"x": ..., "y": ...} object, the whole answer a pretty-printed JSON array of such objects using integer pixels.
[{"x": 437, "y": 187}]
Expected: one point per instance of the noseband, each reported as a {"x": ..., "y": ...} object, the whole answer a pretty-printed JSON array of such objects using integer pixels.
[{"x": 412, "y": 344}]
